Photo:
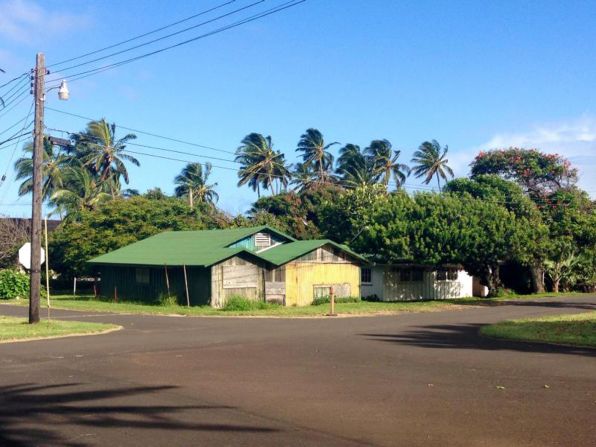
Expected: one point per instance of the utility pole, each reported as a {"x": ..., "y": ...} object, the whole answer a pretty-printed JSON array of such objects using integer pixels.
[{"x": 39, "y": 97}]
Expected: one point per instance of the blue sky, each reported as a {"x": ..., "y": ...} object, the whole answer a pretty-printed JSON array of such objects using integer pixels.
[{"x": 473, "y": 75}]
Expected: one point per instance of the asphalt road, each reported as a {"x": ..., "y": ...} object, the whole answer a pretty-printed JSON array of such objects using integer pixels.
[{"x": 407, "y": 380}]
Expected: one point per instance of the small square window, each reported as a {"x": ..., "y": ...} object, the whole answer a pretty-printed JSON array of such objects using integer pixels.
[
  {"x": 365, "y": 275},
  {"x": 142, "y": 276}
]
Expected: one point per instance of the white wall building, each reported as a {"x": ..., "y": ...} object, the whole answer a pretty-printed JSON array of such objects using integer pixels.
[{"x": 402, "y": 282}]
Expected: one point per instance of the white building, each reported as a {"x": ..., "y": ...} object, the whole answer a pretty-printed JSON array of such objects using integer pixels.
[{"x": 402, "y": 282}]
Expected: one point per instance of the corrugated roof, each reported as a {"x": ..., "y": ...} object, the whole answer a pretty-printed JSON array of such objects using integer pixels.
[
  {"x": 196, "y": 248},
  {"x": 285, "y": 253}
]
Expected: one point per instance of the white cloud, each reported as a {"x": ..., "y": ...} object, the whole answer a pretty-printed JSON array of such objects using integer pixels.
[
  {"x": 574, "y": 139},
  {"x": 27, "y": 22}
]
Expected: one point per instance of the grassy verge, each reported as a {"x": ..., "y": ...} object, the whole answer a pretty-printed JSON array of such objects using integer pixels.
[
  {"x": 12, "y": 328},
  {"x": 88, "y": 303},
  {"x": 91, "y": 304},
  {"x": 577, "y": 329}
]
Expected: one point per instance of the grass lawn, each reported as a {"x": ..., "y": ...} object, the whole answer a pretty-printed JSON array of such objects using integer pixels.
[
  {"x": 577, "y": 330},
  {"x": 12, "y": 328},
  {"x": 89, "y": 303}
]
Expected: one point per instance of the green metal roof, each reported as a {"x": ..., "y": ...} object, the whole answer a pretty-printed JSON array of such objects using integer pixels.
[
  {"x": 285, "y": 253},
  {"x": 205, "y": 248},
  {"x": 196, "y": 248}
]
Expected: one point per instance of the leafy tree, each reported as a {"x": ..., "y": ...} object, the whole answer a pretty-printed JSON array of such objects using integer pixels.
[
  {"x": 430, "y": 162},
  {"x": 300, "y": 213},
  {"x": 192, "y": 184},
  {"x": 120, "y": 222},
  {"x": 104, "y": 155},
  {"x": 155, "y": 194},
  {"x": 261, "y": 165},
  {"x": 538, "y": 173},
  {"x": 385, "y": 163},
  {"x": 316, "y": 155},
  {"x": 495, "y": 190}
]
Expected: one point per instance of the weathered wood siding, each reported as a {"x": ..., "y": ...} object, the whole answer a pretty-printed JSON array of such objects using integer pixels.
[
  {"x": 124, "y": 281},
  {"x": 236, "y": 276},
  {"x": 303, "y": 277}
]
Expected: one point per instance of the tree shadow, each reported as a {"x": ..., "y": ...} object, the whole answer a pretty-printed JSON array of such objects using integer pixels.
[
  {"x": 466, "y": 336},
  {"x": 539, "y": 302},
  {"x": 24, "y": 408}
]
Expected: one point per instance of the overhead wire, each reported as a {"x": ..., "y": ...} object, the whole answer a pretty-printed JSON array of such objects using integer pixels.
[
  {"x": 151, "y": 134},
  {"x": 140, "y": 36},
  {"x": 87, "y": 73},
  {"x": 3, "y": 178},
  {"x": 167, "y": 36},
  {"x": 14, "y": 79}
]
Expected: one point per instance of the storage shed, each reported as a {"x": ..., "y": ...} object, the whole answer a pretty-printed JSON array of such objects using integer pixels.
[
  {"x": 258, "y": 263},
  {"x": 403, "y": 282}
]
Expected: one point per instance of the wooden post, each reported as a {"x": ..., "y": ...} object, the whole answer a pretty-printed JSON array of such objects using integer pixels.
[
  {"x": 95, "y": 287},
  {"x": 47, "y": 265},
  {"x": 74, "y": 287},
  {"x": 186, "y": 286},
  {"x": 167, "y": 279},
  {"x": 332, "y": 301},
  {"x": 115, "y": 294}
]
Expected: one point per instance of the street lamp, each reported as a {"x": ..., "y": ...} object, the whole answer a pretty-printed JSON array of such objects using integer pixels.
[{"x": 63, "y": 92}]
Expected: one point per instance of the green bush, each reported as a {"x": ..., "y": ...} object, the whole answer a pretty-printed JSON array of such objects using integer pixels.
[
  {"x": 168, "y": 300},
  {"x": 240, "y": 303},
  {"x": 340, "y": 299},
  {"x": 13, "y": 284}
]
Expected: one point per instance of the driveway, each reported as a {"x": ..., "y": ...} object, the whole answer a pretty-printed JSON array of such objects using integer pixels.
[{"x": 405, "y": 380}]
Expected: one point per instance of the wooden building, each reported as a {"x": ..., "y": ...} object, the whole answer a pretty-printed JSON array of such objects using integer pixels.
[
  {"x": 403, "y": 282},
  {"x": 258, "y": 263}
]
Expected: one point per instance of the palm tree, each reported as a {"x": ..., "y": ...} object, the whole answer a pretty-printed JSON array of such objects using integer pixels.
[
  {"x": 103, "y": 154},
  {"x": 385, "y": 164},
  {"x": 315, "y": 154},
  {"x": 80, "y": 191},
  {"x": 261, "y": 165},
  {"x": 53, "y": 165},
  {"x": 430, "y": 161},
  {"x": 354, "y": 168},
  {"x": 303, "y": 177},
  {"x": 192, "y": 183}
]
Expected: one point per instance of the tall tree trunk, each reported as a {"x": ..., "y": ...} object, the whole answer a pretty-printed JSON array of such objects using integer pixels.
[
  {"x": 190, "y": 200},
  {"x": 556, "y": 283},
  {"x": 439, "y": 182},
  {"x": 537, "y": 277}
]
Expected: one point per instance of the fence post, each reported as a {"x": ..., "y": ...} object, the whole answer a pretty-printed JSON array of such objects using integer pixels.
[
  {"x": 186, "y": 286},
  {"x": 332, "y": 302}
]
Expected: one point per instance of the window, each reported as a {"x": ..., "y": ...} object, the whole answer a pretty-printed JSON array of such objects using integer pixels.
[
  {"x": 365, "y": 275},
  {"x": 322, "y": 291},
  {"x": 142, "y": 276},
  {"x": 442, "y": 275},
  {"x": 276, "y": 275},
  {"x": 262, "y": 240},
  {"x": 447, "y": 275},
  {"x": 405, "y": 275},
  {"x": 417, "y": 274}
]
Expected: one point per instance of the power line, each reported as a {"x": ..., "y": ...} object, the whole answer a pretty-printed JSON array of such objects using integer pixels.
[
  {"x": 166, "y": 36},
  {"x": 176, "y": 140},
  {"x": 13, "y": 79},
  {"x": 14, "y": 137},
  {"x": 15, "y": 104},
  {"x": 3, "y": 178},
  {"x": 14, "y": 125},
  {"x": 84, "y": 74},
  {"x": 17, "y": 85},
  {"x": 140, "y": 36}
]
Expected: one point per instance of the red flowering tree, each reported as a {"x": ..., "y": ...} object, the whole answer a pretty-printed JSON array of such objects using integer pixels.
[{"x": 538, "y": 173}]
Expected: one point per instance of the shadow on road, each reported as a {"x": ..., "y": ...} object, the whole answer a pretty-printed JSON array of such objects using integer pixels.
[
  {"x": 466, "y": 336},
  {"x": 24, "y": 408}
]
